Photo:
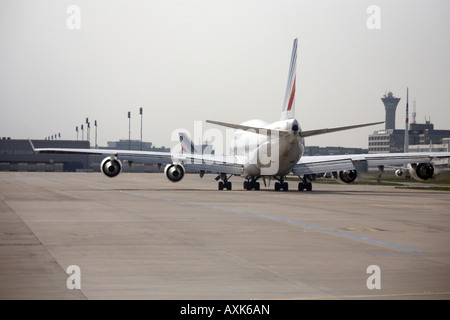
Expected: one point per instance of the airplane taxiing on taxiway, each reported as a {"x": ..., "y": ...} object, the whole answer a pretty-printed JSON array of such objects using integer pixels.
[{"x": 263, "y": 151}]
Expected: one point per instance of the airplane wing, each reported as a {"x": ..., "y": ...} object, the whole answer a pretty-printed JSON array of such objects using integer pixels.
[
  {"x": 200, "y": 162},
  {"x": 132, "y": 155},
  {"x": 323, "y": 164}
]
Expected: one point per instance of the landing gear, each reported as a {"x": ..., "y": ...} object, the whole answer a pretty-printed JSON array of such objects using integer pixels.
[
  {"x": 224, "y": 184},
  {"x": 281, "y": 184},
  {"x": 251, "y": 184},
  {"x": 304, "y": 184}
]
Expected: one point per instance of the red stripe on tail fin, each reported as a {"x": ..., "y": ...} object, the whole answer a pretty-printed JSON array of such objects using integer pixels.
[{"x": 291, "y": 100}]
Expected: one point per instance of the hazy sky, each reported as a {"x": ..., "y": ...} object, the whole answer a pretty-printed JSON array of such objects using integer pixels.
[{"x": 186, "y": 61}]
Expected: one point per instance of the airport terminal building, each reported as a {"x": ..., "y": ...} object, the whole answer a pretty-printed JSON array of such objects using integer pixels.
[{"x": 422, "y": 137}]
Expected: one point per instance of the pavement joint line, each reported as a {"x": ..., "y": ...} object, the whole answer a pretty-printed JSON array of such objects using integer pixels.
[
  {"x": 424, "y": 294},
  {"x": 205, "y": 204}
]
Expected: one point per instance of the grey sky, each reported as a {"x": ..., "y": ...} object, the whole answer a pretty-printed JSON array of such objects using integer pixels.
[{"x": 184, "y": 61}]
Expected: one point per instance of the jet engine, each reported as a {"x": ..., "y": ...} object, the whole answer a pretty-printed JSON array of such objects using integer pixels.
[
  {"x": 111, "y": 167},
  {"x": 399, "y": 172},
  {"x": 174, "y": 172},
  {"x": 346, "y": 176},
  {"x": 421, "y": 171}
]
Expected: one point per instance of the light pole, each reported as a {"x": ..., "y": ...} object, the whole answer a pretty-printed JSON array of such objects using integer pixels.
[
  {"x": 82, "y": 133},
  {"x": 87, "y": 128},
  {"x": 140, "y": 112},
  {"x": 88, "y": 133},
  {"x": 95, "y": 124},
  {"x": 76, "y": 129},
  {"x": 129, "y": 129}
]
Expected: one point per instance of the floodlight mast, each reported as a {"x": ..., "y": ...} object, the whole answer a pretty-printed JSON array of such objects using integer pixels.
[
  {"x": 95, "y": 124},
  {"x": 141, "y": 113},
  {"x": 129, "y": 129}
]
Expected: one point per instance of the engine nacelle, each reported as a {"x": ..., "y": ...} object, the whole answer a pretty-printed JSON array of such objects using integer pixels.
[
  {"x": 174, "y": 172},
  {"x": 346, "y": 176},
  {"x": 421, "y": 171},
  {"x": 399, "y": 172},
  {"x": 111, "y": 167}
]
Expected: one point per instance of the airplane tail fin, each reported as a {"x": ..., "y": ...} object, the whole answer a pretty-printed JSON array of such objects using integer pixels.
[
  {"x": 187, "y": 146},
  {"x": 288, "y": 111}
]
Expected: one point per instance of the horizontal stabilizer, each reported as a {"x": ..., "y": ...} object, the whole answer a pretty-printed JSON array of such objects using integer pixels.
[
  {"x": 310, "y": 133},
  {"x": 246, "y": 128},
  {"x": 303, "y": 134}
]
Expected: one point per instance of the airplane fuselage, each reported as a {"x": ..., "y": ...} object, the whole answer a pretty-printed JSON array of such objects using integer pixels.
[{"x": 269, "y": 153}]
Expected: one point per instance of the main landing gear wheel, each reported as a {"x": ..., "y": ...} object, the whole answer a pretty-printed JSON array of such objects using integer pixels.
[
  {"x": 250, "y": 185},
  {"x": 224, "y": 185},
  {"x": 304, "y": 186},
  {"x": 281, "y": 185}
]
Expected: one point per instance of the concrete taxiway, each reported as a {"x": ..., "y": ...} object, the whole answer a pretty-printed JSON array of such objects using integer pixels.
[{"x": 139, "y": 236}]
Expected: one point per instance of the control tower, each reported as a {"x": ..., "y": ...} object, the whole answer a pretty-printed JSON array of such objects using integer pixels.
[{"x": 390, "y": 104}]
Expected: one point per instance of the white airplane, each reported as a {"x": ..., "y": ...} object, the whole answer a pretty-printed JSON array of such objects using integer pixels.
[{"x": 261, "y": 150}]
